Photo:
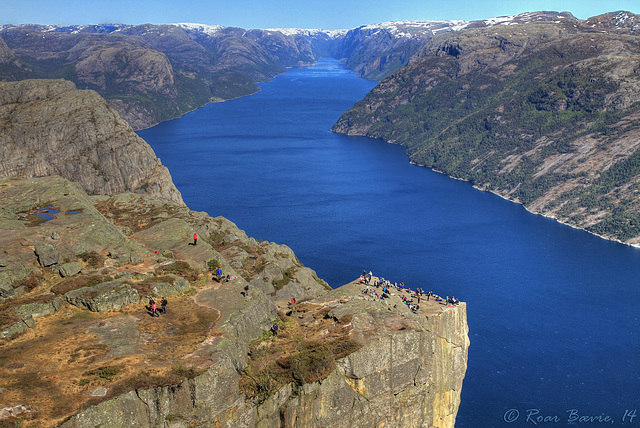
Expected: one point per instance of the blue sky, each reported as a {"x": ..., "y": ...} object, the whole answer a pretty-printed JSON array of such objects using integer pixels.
[{"x": 324, "y": 14}]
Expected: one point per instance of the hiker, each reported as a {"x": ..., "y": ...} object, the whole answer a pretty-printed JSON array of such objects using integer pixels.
[
  {"x": 274, "y": 330},
  {"x": 154, "y": 309},
  {"x": 163, "y": 305},
  {"x": 246, "y": 290},
  {"x": 292, "y": 302},
  {"x": 219, "y": 275},
  {"x": 195, "y": 239}
]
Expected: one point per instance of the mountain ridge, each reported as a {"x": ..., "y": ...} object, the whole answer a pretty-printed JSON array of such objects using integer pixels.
[{"x": 195, "y": 64}]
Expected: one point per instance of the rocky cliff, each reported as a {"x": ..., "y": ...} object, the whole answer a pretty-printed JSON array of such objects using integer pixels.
[
  {"x": 79, "y": 342},
  {"x": 400, "y": 369},
  {"x": 51, "y": 128},
  {"x": 542, "y": 113}
]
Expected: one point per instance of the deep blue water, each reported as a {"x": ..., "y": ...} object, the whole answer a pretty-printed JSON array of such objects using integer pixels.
[{"x": 553, "y": 311}]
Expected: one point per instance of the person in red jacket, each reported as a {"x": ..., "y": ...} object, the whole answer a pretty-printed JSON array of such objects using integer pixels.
[
  {"x": 195, "y": 238},
  {"x": 154, "y": 309}
]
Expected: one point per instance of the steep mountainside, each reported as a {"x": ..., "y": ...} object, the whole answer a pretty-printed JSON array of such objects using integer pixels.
[
  {"x": 51, "y": 128},
  {"x": 375, "y": 51},
  {"x": 543, "y": 113}
]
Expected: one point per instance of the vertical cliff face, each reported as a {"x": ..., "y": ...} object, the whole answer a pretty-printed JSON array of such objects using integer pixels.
[
  {"x": 407, "y": 372},
  {"x": 48, "y": 127}
]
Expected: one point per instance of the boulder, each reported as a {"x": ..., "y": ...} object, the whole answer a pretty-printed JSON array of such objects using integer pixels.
[
  {"x": 47, "y": 253},
  {"x": 21, "y": 326},
  {"x": 305, "y": 283},
  {"x": 178, "y": 286},
  {"x": 40, "y": 309},
  {"x": 103, "y": 297},
  {"x": 70, "y": 269},
  {"x": 6, "y": 289}
]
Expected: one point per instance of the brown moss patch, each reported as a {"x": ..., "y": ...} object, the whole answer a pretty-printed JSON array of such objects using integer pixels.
[
  {"x": 32, "y": 281},
  {"x": 92, "y": 259},
  {"x": 136, "y": 215}
]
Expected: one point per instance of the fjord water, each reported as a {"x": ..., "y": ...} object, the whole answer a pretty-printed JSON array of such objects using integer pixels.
[{"x": 553, "y": 311}]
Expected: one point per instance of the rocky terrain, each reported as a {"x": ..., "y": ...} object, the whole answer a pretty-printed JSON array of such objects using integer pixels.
[
  {"x": 544, "y": 113},
  {"x": 77, "y": 336},
  {"x": 48, "y": 127}
]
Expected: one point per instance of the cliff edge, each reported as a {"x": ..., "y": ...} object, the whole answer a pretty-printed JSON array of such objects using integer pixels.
[
  {"x": 351, "y": 360},
  {"x": 79, "y": 345}
]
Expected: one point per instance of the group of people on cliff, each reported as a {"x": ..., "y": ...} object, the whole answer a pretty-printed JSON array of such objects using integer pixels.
[{"x": 380, "y": 282}]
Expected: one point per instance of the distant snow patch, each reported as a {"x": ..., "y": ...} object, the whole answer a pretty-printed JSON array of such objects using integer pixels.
[
  {"x": 308, "y": 32},
  {"x": 202, "y": 28}
]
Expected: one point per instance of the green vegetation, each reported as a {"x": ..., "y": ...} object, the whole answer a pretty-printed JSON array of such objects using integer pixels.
[
  {"x": 213, "y": 265},
  {"x": 287, "y": 276},
  {"x": 107, "y": 373}
]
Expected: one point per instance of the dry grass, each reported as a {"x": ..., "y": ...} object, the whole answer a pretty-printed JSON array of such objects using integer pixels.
[
  {"x": 136, "y": 216},
  {"x": 54, "y": 367}
]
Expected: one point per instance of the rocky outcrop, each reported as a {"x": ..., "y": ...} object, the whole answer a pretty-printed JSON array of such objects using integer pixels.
[
  {"x": 70, "y": 269},
  {"x": 49, "y": 306},
  {"x": 25, "y": 314},
  {"x": 51, "y": 128},
  {"x": 107, "y": 296},
  {"x": 408, "y": 373},
  {"x": 47, "y": 253},
  {"x": 198, "y": 362}
]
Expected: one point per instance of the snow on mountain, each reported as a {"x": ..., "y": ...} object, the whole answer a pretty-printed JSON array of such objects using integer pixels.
[
  {"x": 203, "y": 28},
  {"x": 410, "y": 29},
  {"x": 527, "y": 17},
  {"x": 308, "y": 32}
]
